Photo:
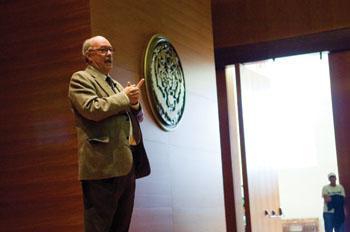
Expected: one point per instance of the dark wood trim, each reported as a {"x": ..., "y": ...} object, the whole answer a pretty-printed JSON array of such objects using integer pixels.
[
  {"x": 336, "y": 40},
  {"x": 228, "y": 182},
  {"x": 339, "y": 68},
  {"x": 243, "y": 154}
]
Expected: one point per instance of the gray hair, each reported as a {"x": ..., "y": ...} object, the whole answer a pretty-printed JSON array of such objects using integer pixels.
[{"x": 86, "y": 46}]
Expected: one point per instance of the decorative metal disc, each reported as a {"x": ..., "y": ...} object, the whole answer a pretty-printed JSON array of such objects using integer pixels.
[{"x": 165, "y": 82}]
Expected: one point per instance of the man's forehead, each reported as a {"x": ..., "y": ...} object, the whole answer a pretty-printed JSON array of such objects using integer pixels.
[{"x": 100, "y": 41}]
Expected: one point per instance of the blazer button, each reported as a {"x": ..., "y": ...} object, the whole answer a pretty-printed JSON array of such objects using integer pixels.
[
  {"x": 127, "y": 137},
  {"x": 127, "y": 118}
]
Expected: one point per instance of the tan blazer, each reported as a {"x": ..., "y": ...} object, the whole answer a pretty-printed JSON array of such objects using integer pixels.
[{"x": 103, "y": 125}]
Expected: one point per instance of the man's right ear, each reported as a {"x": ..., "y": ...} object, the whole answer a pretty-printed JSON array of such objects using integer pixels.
[{"x": 87, "y": 60}]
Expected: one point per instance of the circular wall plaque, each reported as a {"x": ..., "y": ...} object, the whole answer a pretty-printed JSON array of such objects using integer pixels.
[{"x": 165, "y": 82}]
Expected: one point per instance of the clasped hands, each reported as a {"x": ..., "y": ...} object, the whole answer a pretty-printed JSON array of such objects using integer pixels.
[
  {"x": 133, "y": 91},
  {"x": 327, "y": 198}
]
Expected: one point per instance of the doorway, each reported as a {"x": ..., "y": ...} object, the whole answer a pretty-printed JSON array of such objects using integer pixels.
[{"x": 289, "y": 138}]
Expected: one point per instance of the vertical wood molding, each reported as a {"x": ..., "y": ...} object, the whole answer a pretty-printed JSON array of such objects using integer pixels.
[
  {"x": 339, "y": 65},
  {"x": 243, "y": 153},
  {"x": 226, "y": 151}
]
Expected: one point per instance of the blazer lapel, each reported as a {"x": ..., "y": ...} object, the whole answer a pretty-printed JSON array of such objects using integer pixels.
[{"x": 100, "y": 79}]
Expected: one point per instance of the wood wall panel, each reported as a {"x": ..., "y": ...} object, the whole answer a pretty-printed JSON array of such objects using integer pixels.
[
  {"x": 41, "y": 43},
  {"x": 40, "y": 48},
  {"x": 238, "y": 22},
  {"x": 185, "y": 190}
]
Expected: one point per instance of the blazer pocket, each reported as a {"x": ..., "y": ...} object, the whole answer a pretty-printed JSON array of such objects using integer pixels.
[{"x": 99, "y": 140}]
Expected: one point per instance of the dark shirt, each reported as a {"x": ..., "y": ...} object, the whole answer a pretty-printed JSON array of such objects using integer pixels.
[{"x": 337, "y": 203}]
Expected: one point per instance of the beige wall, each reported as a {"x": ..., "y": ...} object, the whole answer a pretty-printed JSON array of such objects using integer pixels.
[{"x": 185, "y": 189}]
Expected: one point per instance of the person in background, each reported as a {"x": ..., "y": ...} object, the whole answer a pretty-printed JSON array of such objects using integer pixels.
[
  {"x": 333, "y": 212},
  {"x": 107, "y": 116}
]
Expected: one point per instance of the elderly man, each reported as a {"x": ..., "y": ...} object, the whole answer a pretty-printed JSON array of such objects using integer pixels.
[
  {"x": 333, "y": 212},
  {"x": 107, "y": 126}
]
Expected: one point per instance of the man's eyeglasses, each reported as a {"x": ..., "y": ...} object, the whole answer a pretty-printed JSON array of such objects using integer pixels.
[{"x": 103, "y": 50}]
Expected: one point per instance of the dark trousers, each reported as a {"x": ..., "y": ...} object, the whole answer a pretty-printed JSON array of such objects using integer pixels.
[
  {"x": 108, "y": 203},
  {"x": 329, "y": 223}
]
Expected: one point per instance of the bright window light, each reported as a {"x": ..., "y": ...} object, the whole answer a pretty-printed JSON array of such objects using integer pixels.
[{"x": 286, "y": 106}]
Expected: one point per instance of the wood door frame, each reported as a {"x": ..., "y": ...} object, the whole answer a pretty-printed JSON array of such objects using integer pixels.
[{"x": 334, "y": 41}]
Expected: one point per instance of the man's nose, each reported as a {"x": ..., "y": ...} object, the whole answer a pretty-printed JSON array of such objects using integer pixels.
[{"x": 109, "y": 52}]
